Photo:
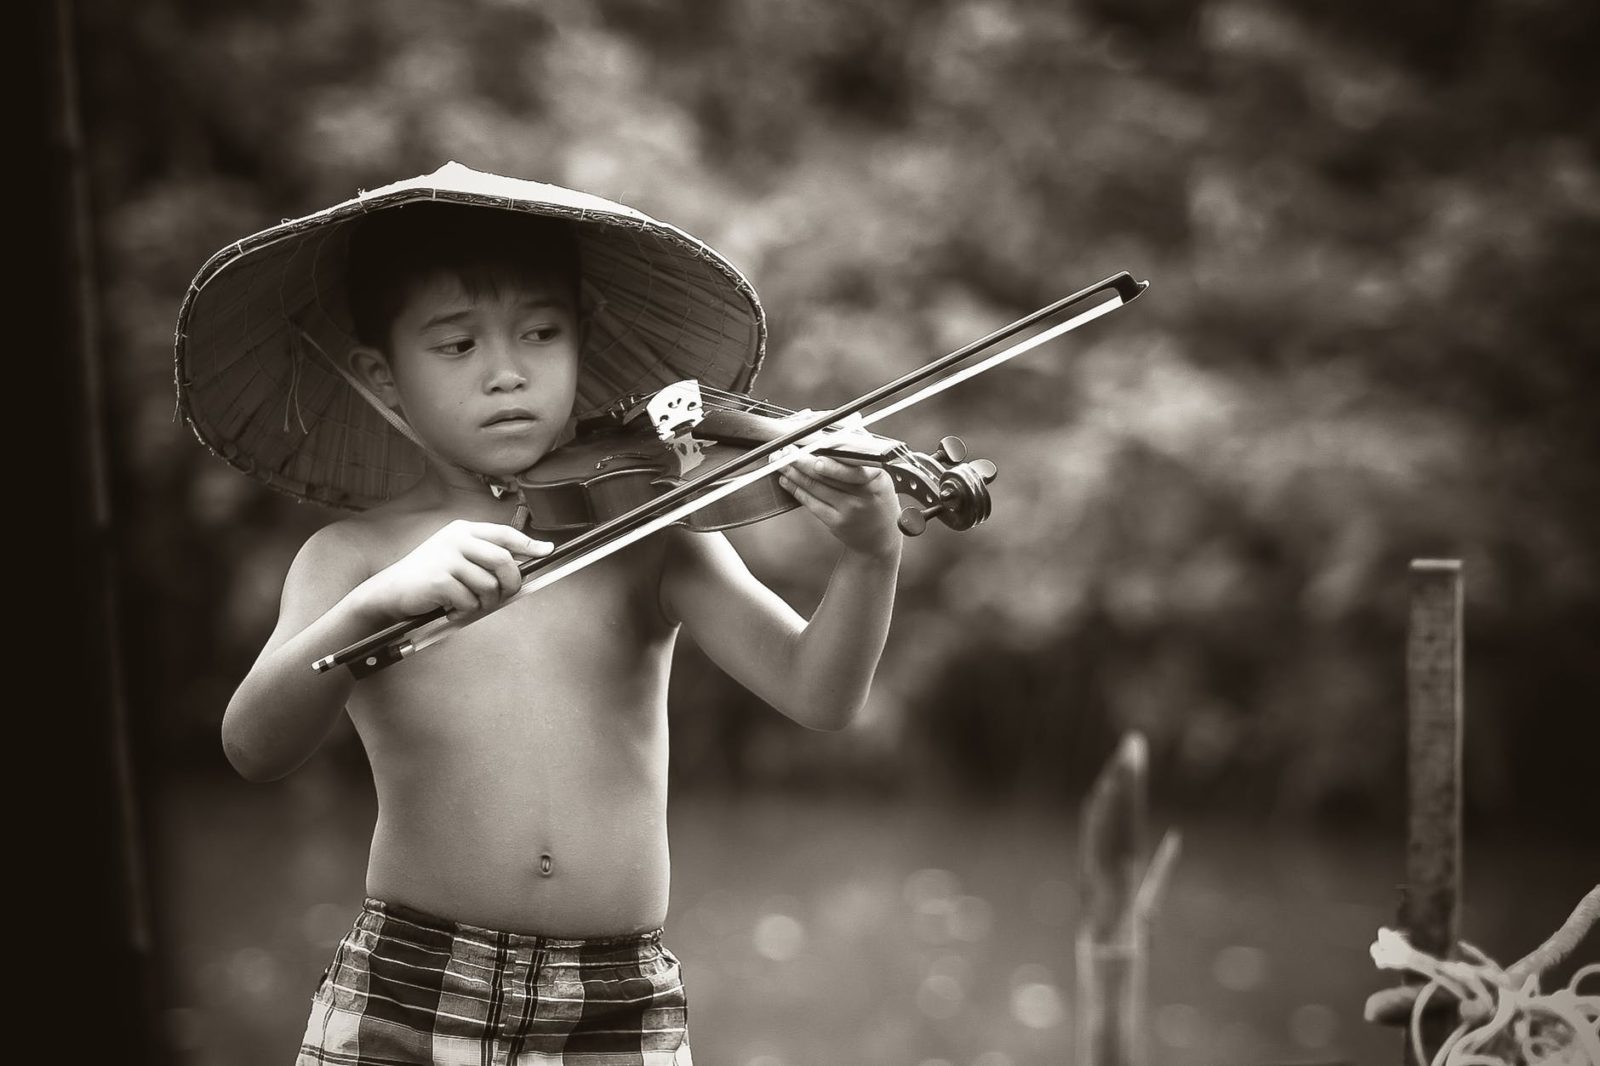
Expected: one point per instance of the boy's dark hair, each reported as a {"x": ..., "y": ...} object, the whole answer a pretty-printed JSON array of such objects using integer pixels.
[{"x": 483, "y": 248}]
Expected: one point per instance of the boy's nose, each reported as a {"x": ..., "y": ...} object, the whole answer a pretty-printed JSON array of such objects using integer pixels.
[{"x": 501, "y": 372}]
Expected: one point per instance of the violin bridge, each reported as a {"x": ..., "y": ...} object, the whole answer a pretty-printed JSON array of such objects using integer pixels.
[{"x": 675, "y": 408}]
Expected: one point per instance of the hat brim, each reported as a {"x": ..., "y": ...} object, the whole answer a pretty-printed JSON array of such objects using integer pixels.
[{"x": 264, "y": 316}]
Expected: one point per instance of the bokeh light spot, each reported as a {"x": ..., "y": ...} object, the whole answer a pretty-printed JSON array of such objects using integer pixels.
[
  {"x": 254, "y": 973},
  {"x": 940, "y": 996},
  {"x": 1313, "y": 1025},
  {"x": 779, "y": 937},
  {"x": 1037, "y": 1005}
]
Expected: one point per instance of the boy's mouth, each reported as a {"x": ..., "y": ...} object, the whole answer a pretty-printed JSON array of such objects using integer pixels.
[{"x": 511, "y": 418}]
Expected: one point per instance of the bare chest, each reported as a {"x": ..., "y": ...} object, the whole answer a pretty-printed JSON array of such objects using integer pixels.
[{"x": 565, "y": 669}]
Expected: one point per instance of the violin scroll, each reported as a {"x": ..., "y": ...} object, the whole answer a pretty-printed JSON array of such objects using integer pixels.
[{"x": 963, "y": 498}]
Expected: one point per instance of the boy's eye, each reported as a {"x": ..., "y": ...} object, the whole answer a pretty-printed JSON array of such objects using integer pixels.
[
  {"x": 543, "y": 333},
  {"x": 460, "y": 346}
]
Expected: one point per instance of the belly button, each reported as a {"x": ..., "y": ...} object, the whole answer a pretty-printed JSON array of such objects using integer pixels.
[{"x": 545, "y": 864}]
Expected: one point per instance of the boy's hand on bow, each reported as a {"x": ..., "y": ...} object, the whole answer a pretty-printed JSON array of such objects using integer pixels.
[
  {"x": 466, "y": 568},
  {"x": 857, "y": 503}
]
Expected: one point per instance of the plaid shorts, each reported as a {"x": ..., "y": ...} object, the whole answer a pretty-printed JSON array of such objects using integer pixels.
[{"x": 405, "y": 987}]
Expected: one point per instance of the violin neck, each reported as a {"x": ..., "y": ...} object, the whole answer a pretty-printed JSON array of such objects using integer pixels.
[{"x": 746, "y": 430}]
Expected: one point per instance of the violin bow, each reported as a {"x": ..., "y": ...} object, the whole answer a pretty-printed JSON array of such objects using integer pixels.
[{"x": 410, "y": 635}]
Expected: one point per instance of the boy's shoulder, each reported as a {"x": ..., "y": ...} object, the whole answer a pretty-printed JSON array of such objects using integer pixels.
[
  {"x": 340, "y": 553},
  {"x": 365, "y": 541}
]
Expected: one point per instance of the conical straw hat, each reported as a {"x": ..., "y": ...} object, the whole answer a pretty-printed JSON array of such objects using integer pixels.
[{"x": 264, "y": 331}]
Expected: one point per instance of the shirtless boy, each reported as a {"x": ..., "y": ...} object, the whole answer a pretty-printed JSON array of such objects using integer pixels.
[{"x": 518, "y": 875}]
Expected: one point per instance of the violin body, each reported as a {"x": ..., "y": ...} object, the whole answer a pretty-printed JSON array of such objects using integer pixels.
[
  {"x": 609, "y": 473},
  {"x": 610, "y": 470}
]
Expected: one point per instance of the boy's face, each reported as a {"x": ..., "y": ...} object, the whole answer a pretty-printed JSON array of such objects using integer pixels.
[{"x": 486, "y": 379}]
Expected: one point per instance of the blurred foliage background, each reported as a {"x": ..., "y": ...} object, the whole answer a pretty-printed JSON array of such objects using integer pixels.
[
  {"x": 1371, "y": 232},
  {"x": 1373, "y": 236}
]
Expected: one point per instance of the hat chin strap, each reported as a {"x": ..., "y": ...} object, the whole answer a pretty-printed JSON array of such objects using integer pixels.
[{"x": 498, "y": 487}]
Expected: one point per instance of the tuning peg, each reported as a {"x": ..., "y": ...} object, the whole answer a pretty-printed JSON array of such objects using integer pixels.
[
  {"x": 952, "y": 449},
  {"x": 985, "y": 470},
  {"x": 913, "y": 520}
]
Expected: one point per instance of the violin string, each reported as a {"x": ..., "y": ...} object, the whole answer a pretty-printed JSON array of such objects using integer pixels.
[
  {"x": 744, "y": 402},
  {"x": 724, "y": 400},
  {"x": 714, "y": 402},
  {"x": 739, "y": 401},
  {"x": 716, "y": 399},
  {"x": 749, "y": 403}
]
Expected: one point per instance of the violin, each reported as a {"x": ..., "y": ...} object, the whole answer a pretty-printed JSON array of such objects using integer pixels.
[
  {"x": 584, "y": 498},
  {"x": 641, "y": 447}
]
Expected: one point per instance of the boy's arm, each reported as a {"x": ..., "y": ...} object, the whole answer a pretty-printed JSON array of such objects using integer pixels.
[
  {"x": 816, "y": 672},
  {"x": 283, "y": 709}
]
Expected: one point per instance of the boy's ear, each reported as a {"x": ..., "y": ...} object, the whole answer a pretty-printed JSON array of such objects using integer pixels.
[{"x": 371, "y": 368}]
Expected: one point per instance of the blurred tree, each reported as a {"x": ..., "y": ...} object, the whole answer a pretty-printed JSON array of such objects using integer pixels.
[{"x": 1372, "y": 236}]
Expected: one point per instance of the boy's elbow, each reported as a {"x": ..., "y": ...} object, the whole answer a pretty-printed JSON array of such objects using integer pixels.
[
  {"x": 252, "y": 771},
  {"x": 246, "y": 762}
]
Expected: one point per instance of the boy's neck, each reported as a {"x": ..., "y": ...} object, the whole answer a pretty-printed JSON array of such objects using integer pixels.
[{"x": 461, "y": 492}]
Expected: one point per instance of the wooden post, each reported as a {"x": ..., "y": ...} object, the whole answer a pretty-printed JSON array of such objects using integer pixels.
[
  {"x": 1113, "y": 934},
  {"x": 1429, "y": 910},
  {"x": 1110, "y": 961}
]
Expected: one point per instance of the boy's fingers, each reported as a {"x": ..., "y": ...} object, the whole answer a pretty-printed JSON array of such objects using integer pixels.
[
  {"x": 498, "y": 561},
  {"x": 843, "y": 473},
  {"x": 483, "y": 585},
  {"x": 812, "y": 501},
  {"x": 459, "y": 599},
  {"x": 512, "y": 540},
  {"x": 820, "y": 489},
  {"x": 487, "y": 554},
  {"x": 509, "y": 576}
]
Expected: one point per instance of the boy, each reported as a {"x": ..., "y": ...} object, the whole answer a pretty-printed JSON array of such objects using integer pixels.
[{"x": 518, "y": 873}]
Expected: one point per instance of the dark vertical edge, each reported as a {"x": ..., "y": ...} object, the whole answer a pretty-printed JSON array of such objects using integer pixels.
[{"x": 124, "y": 990}]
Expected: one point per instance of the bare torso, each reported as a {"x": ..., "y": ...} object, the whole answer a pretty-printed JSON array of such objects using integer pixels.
[{"x": 521, "y": 765}]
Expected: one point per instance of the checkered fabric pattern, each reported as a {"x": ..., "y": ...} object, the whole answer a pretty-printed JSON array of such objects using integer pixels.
[{"x": 406, "y": 987}]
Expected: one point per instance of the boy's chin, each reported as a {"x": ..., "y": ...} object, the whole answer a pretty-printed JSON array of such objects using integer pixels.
[{"x": 506, "y": 467}]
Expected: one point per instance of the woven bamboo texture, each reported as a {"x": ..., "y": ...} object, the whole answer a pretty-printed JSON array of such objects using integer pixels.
[{"x": 265, "y": 316}]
